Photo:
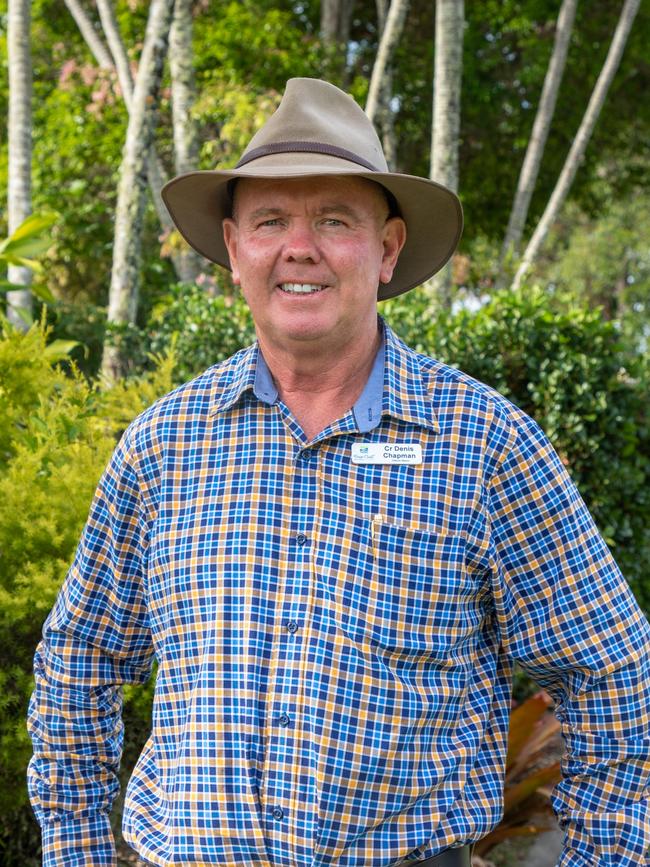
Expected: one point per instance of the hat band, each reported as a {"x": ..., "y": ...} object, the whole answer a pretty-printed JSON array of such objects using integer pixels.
[{"x": 310, "y": 147}]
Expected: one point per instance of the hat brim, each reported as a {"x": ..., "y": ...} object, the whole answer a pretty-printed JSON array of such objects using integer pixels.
[{"x": 199, "y": 201}]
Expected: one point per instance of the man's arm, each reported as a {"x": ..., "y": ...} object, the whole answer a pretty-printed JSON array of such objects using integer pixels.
[
  {"x": 567, "y": 615},
  {"x": 95, "y": 639}
]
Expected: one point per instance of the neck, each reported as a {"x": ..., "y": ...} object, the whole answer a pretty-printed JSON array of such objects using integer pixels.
[{"x": 318, "y": 387}]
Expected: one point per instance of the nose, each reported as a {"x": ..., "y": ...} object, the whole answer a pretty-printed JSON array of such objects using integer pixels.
[{"x": 300, "y": 244}]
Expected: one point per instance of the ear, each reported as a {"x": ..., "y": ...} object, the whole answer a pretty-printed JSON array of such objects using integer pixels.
[
  {"x": 230, "y": 237},
  {"x": 393, "y": 238}
]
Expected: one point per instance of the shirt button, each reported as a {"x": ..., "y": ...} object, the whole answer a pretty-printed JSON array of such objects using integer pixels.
[
  {"x": 278, "y": 813},
  {"x": 292, "y": 626},
  {"x": 284, "y": 720},
  {"x": 301, "y": 539},
  {"x": 306, "y": 455}
]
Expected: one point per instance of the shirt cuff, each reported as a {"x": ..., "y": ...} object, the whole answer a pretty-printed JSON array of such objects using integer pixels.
[{"x": 84, "y": 841}]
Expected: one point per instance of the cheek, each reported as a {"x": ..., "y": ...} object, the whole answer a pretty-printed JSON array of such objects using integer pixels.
[{"x": 255, "y": 264}]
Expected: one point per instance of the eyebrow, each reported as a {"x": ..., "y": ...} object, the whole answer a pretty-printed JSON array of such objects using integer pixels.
[{"x": 330, "y": 208}]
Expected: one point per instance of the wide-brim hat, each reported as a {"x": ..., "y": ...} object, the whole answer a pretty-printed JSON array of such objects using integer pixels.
[{"x": 319, "y": 130}]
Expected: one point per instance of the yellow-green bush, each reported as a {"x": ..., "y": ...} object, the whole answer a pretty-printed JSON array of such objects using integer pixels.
[{"x": 56, "y": 435}]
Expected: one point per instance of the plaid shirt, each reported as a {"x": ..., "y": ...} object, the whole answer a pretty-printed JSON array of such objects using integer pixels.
[{"x": 335, "y": 641}]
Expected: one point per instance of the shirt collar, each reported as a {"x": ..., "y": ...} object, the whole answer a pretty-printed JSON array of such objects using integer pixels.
[
  {"x": 397, "y": 385},
  {"x": 233, "y": 377},
  {"x": 407, "y": 384},
  {"x": 368, "y": 408}
]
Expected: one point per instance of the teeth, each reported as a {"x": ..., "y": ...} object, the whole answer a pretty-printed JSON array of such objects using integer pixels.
[{"x": 301, "y": 288}]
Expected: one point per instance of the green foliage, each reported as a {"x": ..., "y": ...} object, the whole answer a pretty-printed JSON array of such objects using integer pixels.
[
  {"x": 245, "y": 52},
  {"x": 26, "y": 242},
  {"x": 565, "y": 365},
  {"x": 605, "y": 261},
  {"x": 202, "y": 328},
  {"x": 56, "y": 435},
  {"x": 568, "y": 368},
  {"x": 574, "y": 373}
]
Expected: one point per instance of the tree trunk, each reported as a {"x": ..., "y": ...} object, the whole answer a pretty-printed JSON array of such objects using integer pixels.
[
  {"x": 335, "y": 20},
  {"x": 389, "y": 38},
  {"x": 387, "y": 122},
  {"x": 541, "y": 126},
  {"x": 120, "y": 59},
  {"x": 93, "y": 39},
  {"x": 123, "y": 297},
  {"x": 156, "y": 174},
  {"x": 186, "y": 143},
  {"x": 573, "y": 160},
  {"x": 450, "y": 21},
  {"x": 19, "y": 191}
]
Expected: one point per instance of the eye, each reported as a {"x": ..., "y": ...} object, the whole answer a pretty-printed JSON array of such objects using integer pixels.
[
  {"x": 333, "y": 221},
  {"x": 273, "y": 221}
]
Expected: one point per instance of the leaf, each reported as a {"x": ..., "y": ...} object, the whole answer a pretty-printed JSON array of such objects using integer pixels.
[
  {"x": 505, "y": 831},
  {"x": 59, "y": 349},
  {"x": 19, "y": 252},
  {"x": 6, "y": 286},
  {"x": 35, "y": 224},
  {"x": 515, "y": 795},
  {"x": 27, "y": 240},
  {"x": 43, "y": 293},
  {"x": 522, "y": 721}
]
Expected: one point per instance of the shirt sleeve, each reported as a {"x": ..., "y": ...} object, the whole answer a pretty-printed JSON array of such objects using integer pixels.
[
  {"x": 568, "y": 616},
  {"x": 95, "y": 639}
]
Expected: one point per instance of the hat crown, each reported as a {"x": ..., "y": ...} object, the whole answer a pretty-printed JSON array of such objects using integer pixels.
[{"x": 316, "y": 111}]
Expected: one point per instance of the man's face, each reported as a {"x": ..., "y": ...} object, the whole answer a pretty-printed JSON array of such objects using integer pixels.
[{"x": 309, "y": 254}]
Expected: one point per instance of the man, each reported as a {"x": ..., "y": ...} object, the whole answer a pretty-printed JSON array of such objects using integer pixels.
[{"x": 335, "y": 548}]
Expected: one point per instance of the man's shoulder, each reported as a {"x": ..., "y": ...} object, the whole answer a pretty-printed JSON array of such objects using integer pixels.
[
  {"x": 188, "y": 405},
  {"x": 473, "y": 412},
  {"x": 451, "y": 388}
]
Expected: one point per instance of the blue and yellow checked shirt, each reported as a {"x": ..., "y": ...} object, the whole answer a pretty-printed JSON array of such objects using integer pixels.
[{"x": 335, "y": 641}]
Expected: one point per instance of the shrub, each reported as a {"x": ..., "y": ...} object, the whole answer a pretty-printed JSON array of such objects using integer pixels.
[
  {"x": 56, "y": 435},
  {"x": 573, "y": 372},
  {"x": 569, "y": 369}
]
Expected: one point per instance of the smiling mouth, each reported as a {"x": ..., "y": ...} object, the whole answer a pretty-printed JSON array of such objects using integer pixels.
[{"x": 302, "y": 288}]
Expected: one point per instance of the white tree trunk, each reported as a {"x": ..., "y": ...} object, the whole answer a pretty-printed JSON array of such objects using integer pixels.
[
  {"x": 389, "y": 38},
  {"x": 386, "y": 116},
  {"x": 120, "y": 59},
  {"x": 573, "y": 160},
  {"x": 541, "y": 126},
  {"x": 450, "y": 23},
  {"x": 186, "y": 143},
  {"x": 387, "y": 122},
  {"x": 19, "y": 192},
  {"x": 91, "y": 36},
  {"x": 123, "y": 297},
  {"x": 156, "y": 174}
]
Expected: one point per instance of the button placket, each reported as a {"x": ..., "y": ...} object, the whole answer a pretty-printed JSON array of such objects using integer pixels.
[{"x": 285, "y": 750}]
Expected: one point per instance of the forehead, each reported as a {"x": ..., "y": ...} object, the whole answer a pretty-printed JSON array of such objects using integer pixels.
[{"x": 322, "y": 190}]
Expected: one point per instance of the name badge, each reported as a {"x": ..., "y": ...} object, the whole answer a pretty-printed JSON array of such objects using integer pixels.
[{"x": 386, "y": 453}]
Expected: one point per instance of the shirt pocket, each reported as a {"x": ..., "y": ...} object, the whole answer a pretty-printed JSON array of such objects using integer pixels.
[{"x": 417, "y": 597}]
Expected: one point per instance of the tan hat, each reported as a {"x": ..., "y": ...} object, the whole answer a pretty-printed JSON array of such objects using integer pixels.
[{"x": 319, "y": 130}]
